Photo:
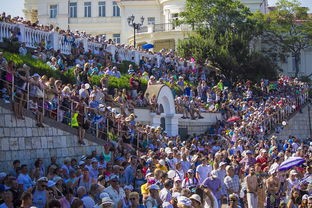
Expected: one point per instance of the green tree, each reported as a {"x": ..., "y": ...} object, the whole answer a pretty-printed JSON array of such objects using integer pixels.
[
  {"x": 288, "y": 31},
  {"x": 224, "y": 30}
]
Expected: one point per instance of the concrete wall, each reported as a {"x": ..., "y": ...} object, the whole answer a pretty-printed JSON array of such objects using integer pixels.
[
  {"x": 21, "y": 139},
  {"x": 298, "y": 125}
]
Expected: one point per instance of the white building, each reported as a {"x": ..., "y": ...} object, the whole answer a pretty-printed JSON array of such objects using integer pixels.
[{"x": 109, "y": 17}]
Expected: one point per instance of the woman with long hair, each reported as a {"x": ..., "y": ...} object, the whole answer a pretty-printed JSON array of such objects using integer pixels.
[{"x": 295, "y": 199}]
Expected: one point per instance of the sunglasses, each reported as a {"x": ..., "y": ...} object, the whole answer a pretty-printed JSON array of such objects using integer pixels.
[{"x": 132, "y": 199}]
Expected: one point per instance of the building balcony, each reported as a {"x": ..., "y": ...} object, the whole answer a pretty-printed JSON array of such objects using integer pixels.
[{"x": 165, "y": 27}]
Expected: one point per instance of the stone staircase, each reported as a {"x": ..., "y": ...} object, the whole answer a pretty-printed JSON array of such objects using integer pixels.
[
  {"x": 299, "y": 125},
  {"x": 21, "y": 139}
]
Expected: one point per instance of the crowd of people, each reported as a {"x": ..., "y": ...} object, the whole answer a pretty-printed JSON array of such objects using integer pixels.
[{"x": 140, "y": 165}]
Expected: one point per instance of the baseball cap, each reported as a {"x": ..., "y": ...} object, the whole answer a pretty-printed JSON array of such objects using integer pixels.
[{"x": 154, "y": 187}]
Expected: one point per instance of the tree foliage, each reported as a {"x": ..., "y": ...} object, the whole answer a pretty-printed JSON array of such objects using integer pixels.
[
  {"x": 224, "y": 30},
  {"x": 288, "y": 31}
]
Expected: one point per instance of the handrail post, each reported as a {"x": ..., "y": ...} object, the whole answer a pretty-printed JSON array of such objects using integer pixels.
[
  {"x": 58, "y": 108},
  {"x": 97, "y": 130},
  {"x": 27, "y": 97},
  {"x": 43, "y": 100},
  {"x": 12, "y": 89}
]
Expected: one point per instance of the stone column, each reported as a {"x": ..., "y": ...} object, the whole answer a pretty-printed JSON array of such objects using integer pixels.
[
  {"x": 172, "y": 127},
  {"x": 155, "y": 121}
]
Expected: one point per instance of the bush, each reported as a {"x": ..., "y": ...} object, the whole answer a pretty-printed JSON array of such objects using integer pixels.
[{"x": 123, "y": 67}]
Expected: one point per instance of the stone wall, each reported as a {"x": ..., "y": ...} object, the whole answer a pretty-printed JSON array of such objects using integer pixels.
[
  {"x": 21, "y": 139},
  {"x": 298, "y": 125}
]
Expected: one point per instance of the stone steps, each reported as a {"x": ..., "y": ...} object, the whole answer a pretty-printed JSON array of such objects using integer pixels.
[{"x": 21, "y": 139}]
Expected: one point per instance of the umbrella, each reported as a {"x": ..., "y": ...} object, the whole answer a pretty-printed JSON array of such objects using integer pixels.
[
  {"x": 147, "y": 46},
  {"x": 291, "y": 162},
  {"x": 233, "y": 119}
]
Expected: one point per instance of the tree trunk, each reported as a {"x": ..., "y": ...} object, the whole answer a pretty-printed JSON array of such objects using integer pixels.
[{"x": 297, "y": 62}]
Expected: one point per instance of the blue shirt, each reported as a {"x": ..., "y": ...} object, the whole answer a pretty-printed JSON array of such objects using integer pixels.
[{"x": 129, "y": 175}]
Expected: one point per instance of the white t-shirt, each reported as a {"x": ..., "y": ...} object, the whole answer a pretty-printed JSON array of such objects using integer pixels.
[{"x": 203, "y": 172}]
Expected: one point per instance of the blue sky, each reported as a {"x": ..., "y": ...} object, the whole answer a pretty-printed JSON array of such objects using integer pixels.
[{"x": 15, "y": 7}]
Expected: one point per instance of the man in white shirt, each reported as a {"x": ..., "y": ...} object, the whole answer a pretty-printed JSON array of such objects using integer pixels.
[
  {"x": 203, "y": 170},
  {"x": 115, "y": 192}
]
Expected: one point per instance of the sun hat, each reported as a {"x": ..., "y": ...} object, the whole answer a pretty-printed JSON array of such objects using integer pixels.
[
  {"x": 222, "y": 163},
  {"x": 107, "y": 200},
  {"x": 43, "y": 179},
  {"x": 214, "y": 174},
  {"x": 196, "y": 197},
  {"x": 293, "y": 172},
  {"x": 162, "y": 162}
]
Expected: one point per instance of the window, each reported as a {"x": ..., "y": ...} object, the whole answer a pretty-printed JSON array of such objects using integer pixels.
[
  {"x": 102, "y": 12},
  {"x": 87, "y": 9},
  {"x": 116, "y": 38},
  {"x": 116, "y": 9},
  {"x": 151, "y": 20},
  {"x": 73, "y": 10},
  {"x": 53, "y": 11}
]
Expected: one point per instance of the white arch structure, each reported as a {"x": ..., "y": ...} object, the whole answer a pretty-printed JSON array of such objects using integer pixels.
[{"x": 165, "y": 98}]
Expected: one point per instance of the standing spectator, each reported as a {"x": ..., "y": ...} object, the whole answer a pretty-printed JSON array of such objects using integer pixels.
[
  {"x": 40, "y": 193},
  {"x": 130, "y": 171},
  {"x": 24, "y": 180},
  {"x": 252, "y": 188},
  {"x": 115, "y": 192},
  {"x": 203, "y": 170},
  {"x": 214, "y": 184},
  {"x": 272, "y": 186},
  {"x": 231, "y": 181}
]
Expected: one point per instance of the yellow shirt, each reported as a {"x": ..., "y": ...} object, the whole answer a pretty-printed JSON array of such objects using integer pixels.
[
  {"x": 144, "y": 189},
  {"x": 161, "y": 167}
]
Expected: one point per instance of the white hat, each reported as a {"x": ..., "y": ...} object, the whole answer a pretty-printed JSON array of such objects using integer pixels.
[
  {"x": 196, "y": 197},
  {"x": 214, "y": 174},
  {"x": 222, "y": 163},
  {"x": 293, "y": 172},
  {"x": 107, "y": 200},
  {"x": 43, "y": 179},
  {"x": 162, "y": 162}
]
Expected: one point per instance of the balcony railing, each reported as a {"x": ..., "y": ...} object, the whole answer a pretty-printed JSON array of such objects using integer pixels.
[{"x": 165, "y": 27}]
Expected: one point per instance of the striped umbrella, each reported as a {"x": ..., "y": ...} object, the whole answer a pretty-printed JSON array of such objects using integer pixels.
[{"x": 290, "y": 163}]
